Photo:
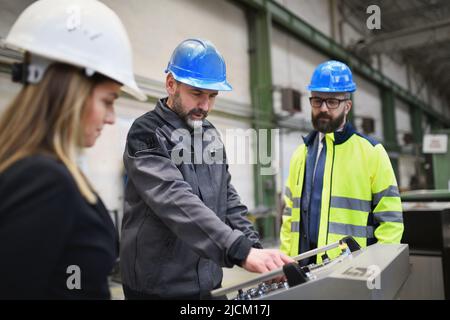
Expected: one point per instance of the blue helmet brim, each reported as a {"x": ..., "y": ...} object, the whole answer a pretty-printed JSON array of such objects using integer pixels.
[
  {"x": 201, "y": 84},
  {"x": 327, "y": 89}
]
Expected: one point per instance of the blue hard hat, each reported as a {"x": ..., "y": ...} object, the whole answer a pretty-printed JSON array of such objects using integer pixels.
[
  {"x": 332, "y": 76},
  {"x": 197, "y": 62}
]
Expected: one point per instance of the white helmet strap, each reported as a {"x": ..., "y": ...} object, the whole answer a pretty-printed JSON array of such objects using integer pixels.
[{"x": 37, "y": 66}]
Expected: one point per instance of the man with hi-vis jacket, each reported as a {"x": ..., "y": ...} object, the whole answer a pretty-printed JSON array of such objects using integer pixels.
[{"x": 341, "y": 182}]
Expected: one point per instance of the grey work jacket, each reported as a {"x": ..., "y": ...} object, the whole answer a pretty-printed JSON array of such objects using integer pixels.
[{"x": 180, "y": 218}]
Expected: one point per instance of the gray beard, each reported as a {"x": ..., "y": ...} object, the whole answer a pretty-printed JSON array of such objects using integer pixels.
[
  {"x": 177, "y": 108},
  {"x": 194, "y": 124}
]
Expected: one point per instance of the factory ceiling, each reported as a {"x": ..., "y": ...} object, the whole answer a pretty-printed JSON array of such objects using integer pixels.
[{"x": 415, "y": 32}]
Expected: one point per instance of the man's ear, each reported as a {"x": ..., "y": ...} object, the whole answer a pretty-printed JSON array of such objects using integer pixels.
[
  {"x": 171, "y": 84},
  {"x": 348, "y": 106}
]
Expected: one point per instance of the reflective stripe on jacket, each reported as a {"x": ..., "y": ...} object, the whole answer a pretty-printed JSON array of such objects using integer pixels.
[{"x": 360, "y": 197}]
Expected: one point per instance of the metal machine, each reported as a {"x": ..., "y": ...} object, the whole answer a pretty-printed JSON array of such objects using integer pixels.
[
  {"x": 426, "y": 216},
  {"x": 375, "y": 272}
]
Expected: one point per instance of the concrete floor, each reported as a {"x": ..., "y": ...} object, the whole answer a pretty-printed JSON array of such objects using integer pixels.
[{"x": 116, "y": 291}]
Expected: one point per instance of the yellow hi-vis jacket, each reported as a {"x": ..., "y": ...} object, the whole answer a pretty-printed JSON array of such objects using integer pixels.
[{"x": 360, "y": 197}]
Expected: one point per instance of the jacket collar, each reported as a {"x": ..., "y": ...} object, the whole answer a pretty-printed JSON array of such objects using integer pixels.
[
  {"x": 342, "y": 136},
  {"x": 309, "y": 139},
  {"x": 168, "y": 115},
  {"x": 339, "y": 137}
]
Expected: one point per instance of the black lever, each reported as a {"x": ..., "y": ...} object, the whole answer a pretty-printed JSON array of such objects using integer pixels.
[
  {"x": 351, "y": 243},
  {"x": 294, "y": 274}
]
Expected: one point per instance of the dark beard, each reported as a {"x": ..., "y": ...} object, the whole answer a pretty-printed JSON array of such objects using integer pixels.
[
  {"x": 329, "y": 126},
  {"x": 176, "y": 106},
  {"x": 178, "y": 109}
]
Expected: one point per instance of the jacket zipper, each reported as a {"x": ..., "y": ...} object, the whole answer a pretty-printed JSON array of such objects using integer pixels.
[{"x": 329, "y": 200}]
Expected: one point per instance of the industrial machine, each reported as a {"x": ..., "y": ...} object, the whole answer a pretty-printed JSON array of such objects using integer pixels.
[
  {"x": 375, "y": 272},
  {"x": 426, "y": 216}
]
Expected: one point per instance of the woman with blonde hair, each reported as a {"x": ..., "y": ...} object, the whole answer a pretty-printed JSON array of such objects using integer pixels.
[{"x": 57, "y": 240}]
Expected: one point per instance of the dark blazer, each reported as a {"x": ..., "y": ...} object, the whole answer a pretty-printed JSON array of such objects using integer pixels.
[{"x": 49, "y": 234}]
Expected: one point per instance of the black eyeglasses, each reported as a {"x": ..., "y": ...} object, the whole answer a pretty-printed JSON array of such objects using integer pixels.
[{"x": 331, "y": 103}]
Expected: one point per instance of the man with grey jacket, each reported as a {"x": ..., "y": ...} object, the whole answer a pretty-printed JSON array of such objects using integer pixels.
[{"x": 183, "y": 219}]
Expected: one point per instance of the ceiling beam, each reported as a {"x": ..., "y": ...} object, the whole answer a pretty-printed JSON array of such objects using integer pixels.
[{"x": 419, "y": 36}]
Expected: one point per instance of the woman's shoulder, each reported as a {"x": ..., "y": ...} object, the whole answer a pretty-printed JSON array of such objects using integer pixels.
[
  {"x": 36, "y": 163},
  {"x": 39, "y": 184},
  {"x": 41, "y": 169}
]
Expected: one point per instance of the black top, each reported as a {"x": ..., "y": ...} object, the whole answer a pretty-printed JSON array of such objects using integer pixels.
[{"x": 49, "y": 234}]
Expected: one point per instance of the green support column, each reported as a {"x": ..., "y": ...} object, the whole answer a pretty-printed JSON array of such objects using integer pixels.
[
  {"x": 261, "y": 94},
  {"x": 416, "y": 124},
  {"x": 390, "y": 128},
  {"x": 417, "y": 132},
  {"x": 434, "y": 123}
]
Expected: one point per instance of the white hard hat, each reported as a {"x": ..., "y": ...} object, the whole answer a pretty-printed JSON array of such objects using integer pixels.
[{"x": 84, "y": 33}]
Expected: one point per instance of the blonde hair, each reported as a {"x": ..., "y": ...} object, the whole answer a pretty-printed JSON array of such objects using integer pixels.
[{"x": 45, "y": 118}]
